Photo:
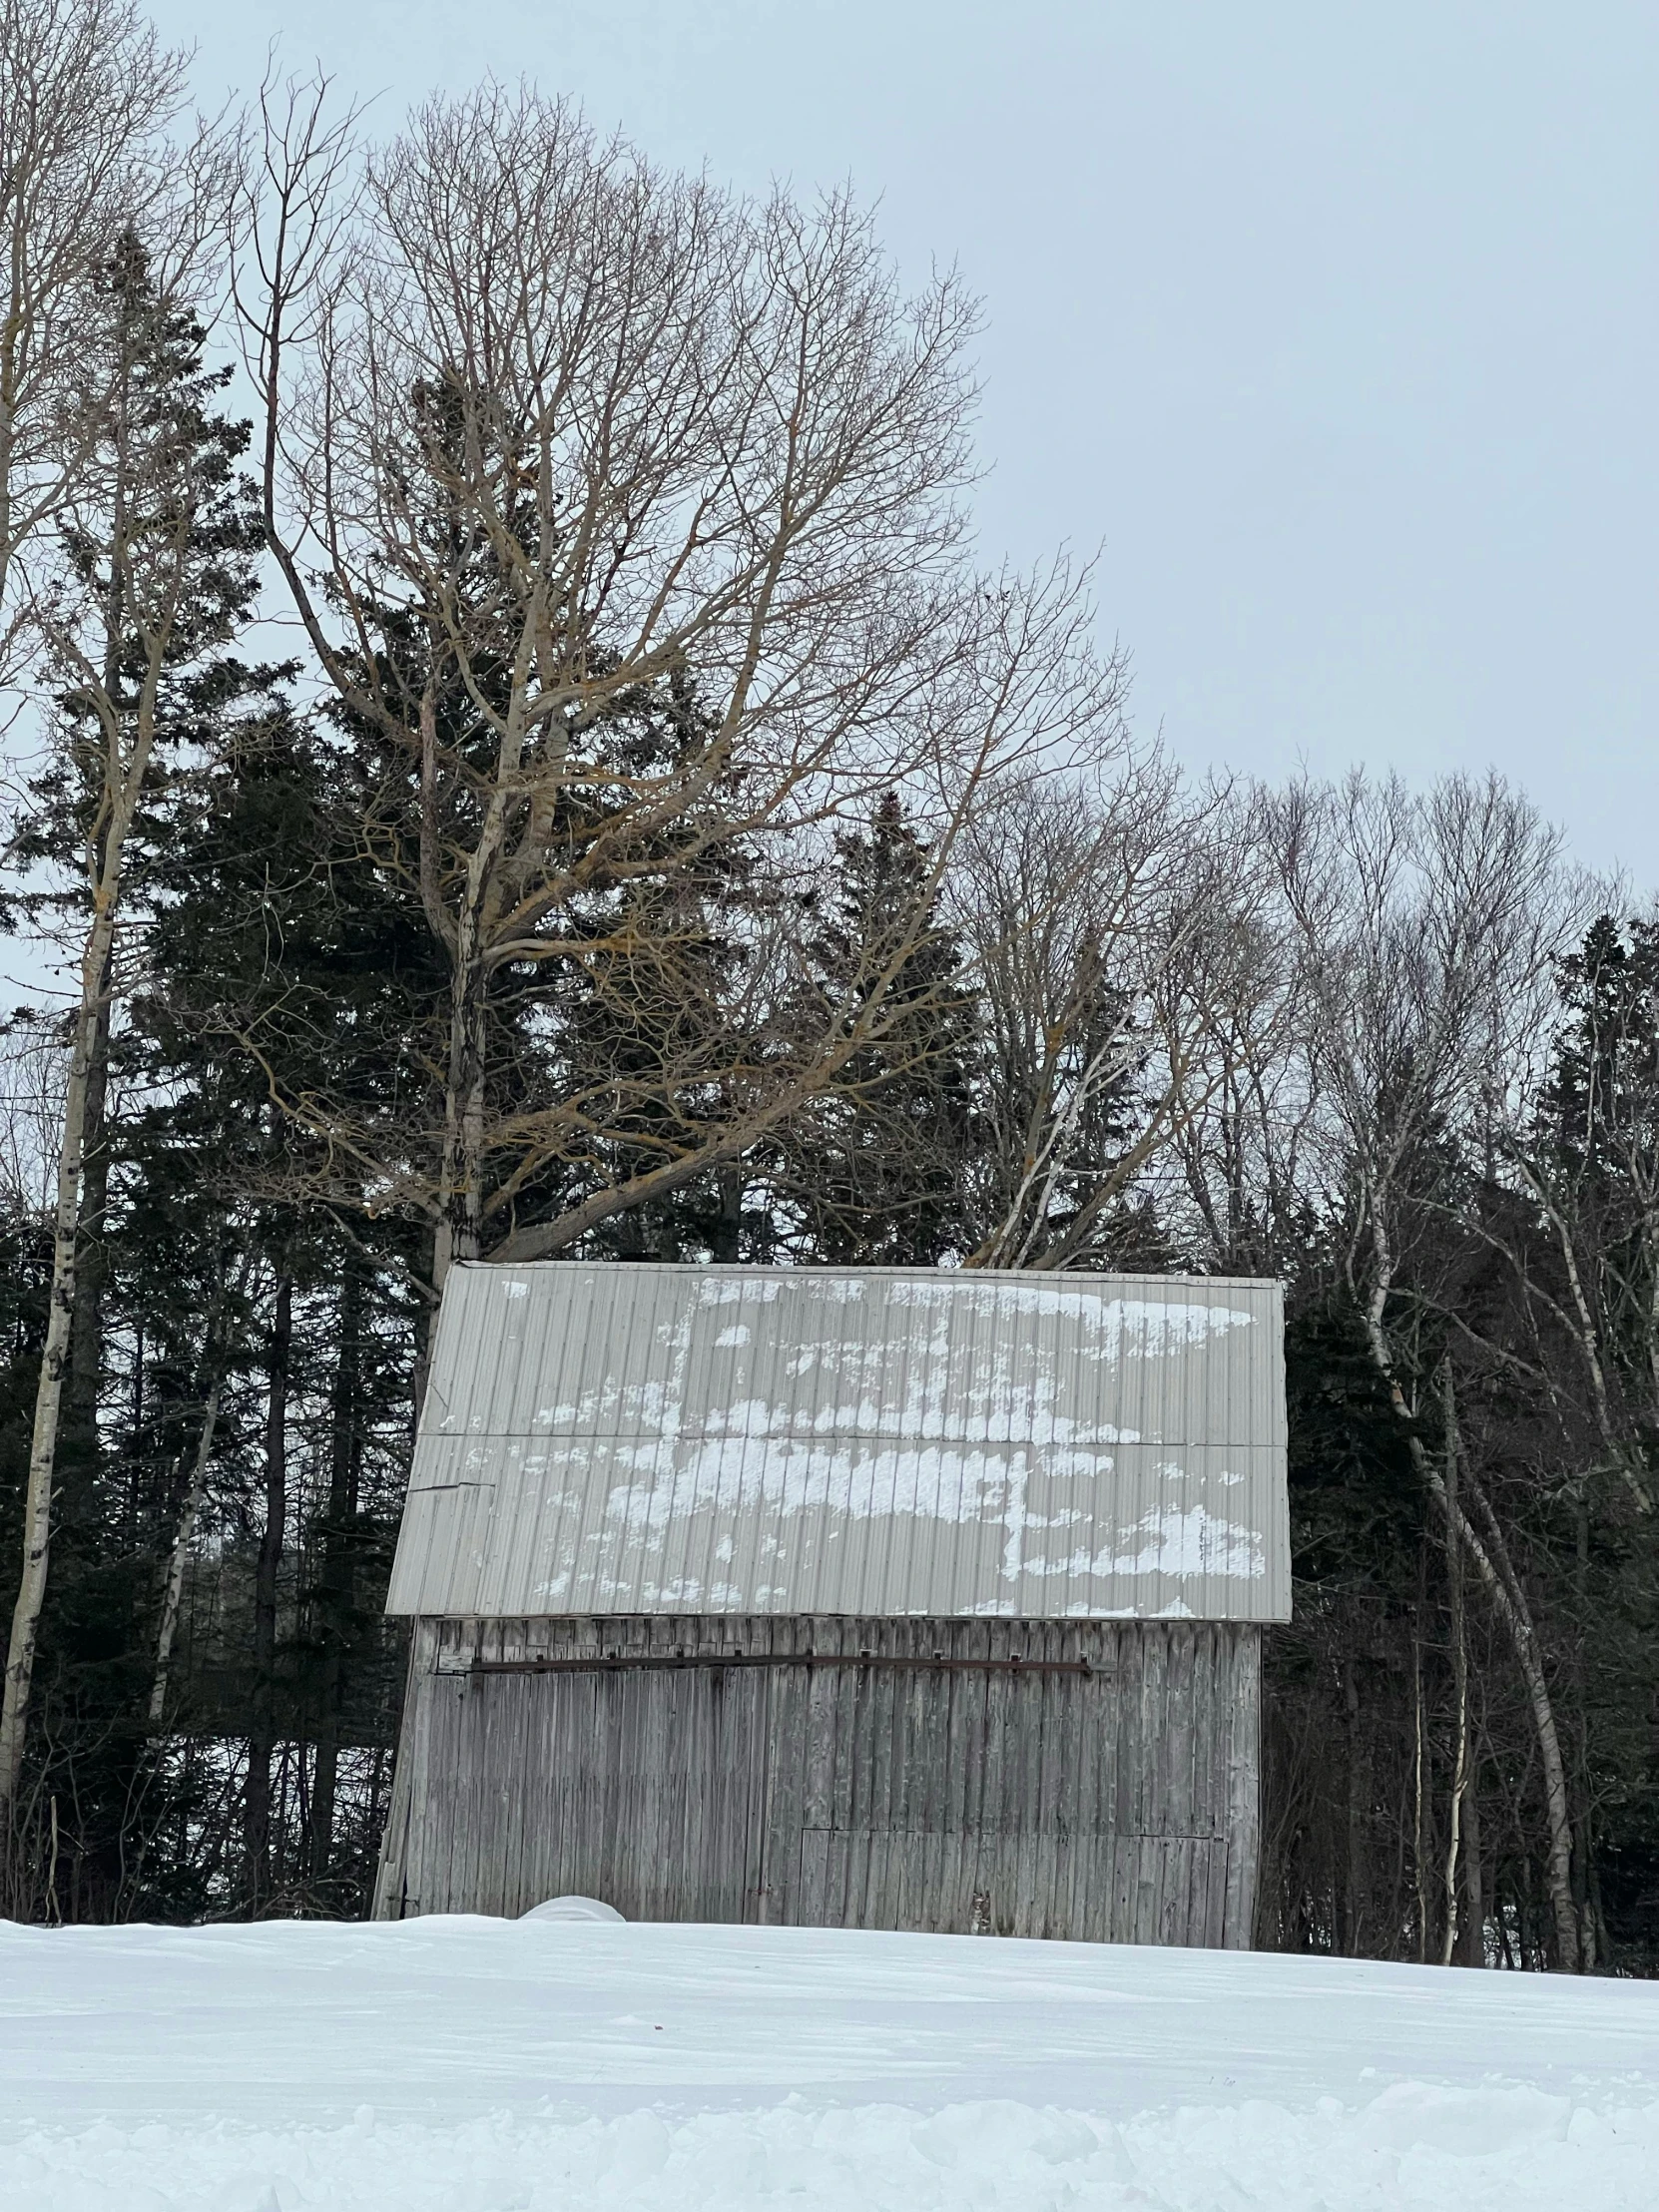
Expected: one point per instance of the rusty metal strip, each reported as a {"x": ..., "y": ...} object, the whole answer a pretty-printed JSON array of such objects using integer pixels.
[{"x": 621, "y": 1662}]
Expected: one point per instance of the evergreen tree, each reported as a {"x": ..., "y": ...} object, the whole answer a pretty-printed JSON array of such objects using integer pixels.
[
  {"x": 875, "y": 1172},
  {"x": 157, "y": 575},
  {"x": 280, "y": 965}
]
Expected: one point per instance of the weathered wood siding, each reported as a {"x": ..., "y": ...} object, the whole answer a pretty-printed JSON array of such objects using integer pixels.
[{"x": 1117, "y": 1803}]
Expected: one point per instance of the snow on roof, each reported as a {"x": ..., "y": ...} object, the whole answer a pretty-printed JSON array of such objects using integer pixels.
[{"x": 622, "y": 1438}]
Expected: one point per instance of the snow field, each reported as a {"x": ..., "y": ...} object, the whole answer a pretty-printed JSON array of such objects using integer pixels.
[{"x": 469, "y": 2065}]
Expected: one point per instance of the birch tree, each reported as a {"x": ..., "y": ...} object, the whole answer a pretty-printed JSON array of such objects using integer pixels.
[
  {"x": 155, "y": 572},
  {"x": 1430, "y": 928}
]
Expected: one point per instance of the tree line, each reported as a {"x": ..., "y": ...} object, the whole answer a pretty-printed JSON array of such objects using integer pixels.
[{"x": 516, "y": 751}]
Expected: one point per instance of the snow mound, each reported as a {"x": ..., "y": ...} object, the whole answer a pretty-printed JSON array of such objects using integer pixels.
[{"x": 572, "y": 1908}]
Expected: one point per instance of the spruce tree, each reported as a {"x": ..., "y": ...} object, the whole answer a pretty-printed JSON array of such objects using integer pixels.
[
  {"x": 155, "y": 579},
  {"x": 875, "y": 1172}
]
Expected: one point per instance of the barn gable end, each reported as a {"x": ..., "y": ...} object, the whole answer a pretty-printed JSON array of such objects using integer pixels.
[{"x": 887, "y": 1599}]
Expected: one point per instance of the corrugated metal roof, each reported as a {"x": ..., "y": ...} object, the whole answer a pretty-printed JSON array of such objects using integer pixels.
[{"x": 621, "y": 1438}]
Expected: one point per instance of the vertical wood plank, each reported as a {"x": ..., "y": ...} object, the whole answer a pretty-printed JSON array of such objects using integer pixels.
[
  {"x": 1119, "y": 1805},
  {"x": 1242, "y": 1780}
]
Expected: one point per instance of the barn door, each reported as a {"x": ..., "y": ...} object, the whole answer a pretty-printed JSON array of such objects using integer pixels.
[{"x": 644, "y": 1787}]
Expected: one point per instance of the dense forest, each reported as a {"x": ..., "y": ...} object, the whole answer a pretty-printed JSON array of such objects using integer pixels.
[{"x": 515, "y": 751}]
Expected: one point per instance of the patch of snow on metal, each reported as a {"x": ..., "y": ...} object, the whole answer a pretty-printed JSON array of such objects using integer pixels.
[{"x": 936, "y": 1482}]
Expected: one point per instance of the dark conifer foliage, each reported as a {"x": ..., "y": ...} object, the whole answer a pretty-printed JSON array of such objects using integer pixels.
[{"x": 876, "y": 1175}]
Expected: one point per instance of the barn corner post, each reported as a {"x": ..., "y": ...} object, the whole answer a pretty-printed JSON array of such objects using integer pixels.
[
  {"x": 898, "y": 1599},
  {"x": 391, "y": 1899}
]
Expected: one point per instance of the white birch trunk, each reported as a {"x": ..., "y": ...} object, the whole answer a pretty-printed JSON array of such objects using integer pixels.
[
  {"x": 36, "y": 1509},
  {"x": 1503, "y": 1586},
  {"x": 182, "y": 1537}
]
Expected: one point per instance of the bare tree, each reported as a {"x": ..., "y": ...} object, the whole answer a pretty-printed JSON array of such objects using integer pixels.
[
  {"x": 86, "y": 90},
  {"x": 1428, "y": 928},
  {"x": 1588, "y": 1163},
  {"x": 1113, "y": 934},
  {"x": 32, "y": 1073},
  {"x": 1247, "y": 1151},
  {"x": 638, "y": 516}
]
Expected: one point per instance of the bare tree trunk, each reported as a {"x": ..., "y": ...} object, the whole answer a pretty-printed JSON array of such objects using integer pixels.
[
  {"x": 37, "y": 1508},
  {"x": 1473, "y": 1936},
  {"x": 335, "y": 1595},
  {"x": 263, "y": 1736},
  {"x": 725, "y": 1231},
  {"x": 459, "y": 1232},
  {"x": 209, "y": 1384},
  {"x": 1419, "y": 1863},
  {"x": 77, "y": 1423},
  {"x": 1499, "y": 1576},
  {"x": 424, "y": 1322},
  {"x": 1355, "y": 1886},
  {"x": 1502, "y": 1585},
  {"x": 1459, "y": 1667},
  {"x": 1585, "y": 1899},
  {"x": 179, "y": 1558}
]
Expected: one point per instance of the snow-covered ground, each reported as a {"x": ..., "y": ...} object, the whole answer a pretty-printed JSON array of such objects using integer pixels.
[{"x": 472, "y": 2065}]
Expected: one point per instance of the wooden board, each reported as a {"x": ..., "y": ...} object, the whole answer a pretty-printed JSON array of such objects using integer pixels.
[{"x": 919, "y": 1781}]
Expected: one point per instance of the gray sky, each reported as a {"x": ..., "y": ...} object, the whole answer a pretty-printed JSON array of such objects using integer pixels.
[{"x": 1337, "y": 328}]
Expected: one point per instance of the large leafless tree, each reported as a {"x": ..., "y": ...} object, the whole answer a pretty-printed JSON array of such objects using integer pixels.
[{"x": 550, "y": 432}]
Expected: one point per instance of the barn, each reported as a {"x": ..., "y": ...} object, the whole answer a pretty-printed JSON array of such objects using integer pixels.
[{"x": 904, "y": 1599}]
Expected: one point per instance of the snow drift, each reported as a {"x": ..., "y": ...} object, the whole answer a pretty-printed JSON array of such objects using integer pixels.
[{"x": 469, "y": 2065}]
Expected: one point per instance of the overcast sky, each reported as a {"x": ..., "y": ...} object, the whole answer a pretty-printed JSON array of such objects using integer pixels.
[{"x": 1335, "y": 327}]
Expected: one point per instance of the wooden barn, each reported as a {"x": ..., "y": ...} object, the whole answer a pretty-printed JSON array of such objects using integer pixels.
[{"x": 882, "y": 1599}]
